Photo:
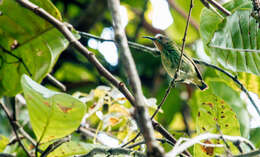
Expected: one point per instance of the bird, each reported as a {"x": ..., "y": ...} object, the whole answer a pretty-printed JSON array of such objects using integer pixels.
[{"x": 170, "y": 56}]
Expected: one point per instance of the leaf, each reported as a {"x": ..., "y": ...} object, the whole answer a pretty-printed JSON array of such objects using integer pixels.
[
  {"x": 52, "y": 115},
  {"x": 176, "y": 30},
  {"x": 27, "y": 39},
  {"x": 3, "y": 142},
  {"x": 69, "y": 72},
  {"x": 233, "y": 42},
  {"x": 255, "y": 137},
  {"x": 73, "y": 148},
  {"x": 213, "y": 111},
  {"x": 224, "y": 91},
  {"x": 251, "y": 82}
]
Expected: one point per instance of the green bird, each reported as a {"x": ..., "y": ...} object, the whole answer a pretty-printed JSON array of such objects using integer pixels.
[{"x": 170, "y": 56}]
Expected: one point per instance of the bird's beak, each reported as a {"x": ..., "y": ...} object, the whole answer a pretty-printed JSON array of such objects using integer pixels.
[{"x": 151, "y": 38}]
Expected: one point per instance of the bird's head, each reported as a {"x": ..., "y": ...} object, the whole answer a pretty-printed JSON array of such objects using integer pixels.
[{"x": 160, "y": 41}]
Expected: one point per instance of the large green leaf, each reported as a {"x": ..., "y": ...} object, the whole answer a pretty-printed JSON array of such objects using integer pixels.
[
  {"x": 28, "y": 37},
  {"x": 52, "y": 115},
  {"x": 213, "y": 111},
  {"x": 235, "y": 41}
]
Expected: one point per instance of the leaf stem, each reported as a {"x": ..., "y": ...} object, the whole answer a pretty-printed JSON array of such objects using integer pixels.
[{"x": 14, "y": 126}]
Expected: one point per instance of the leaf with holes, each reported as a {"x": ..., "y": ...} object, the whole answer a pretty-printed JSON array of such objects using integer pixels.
[
  {"x": 28, "y": 44},
  {"x": 235, "y": 41},
  {"x": 52, "y": 115},
  {"x": 213, "y": 111}
]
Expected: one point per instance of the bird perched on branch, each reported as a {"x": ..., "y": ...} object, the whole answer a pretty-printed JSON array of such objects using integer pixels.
[{"x": 170, "y": 56}]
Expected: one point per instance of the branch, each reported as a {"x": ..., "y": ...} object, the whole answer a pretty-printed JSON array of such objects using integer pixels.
[
  {"x": 219, "y": 7},
  {"x": 133, "y": 45},
  {"x": 158, "y": 127},
  {"x": 180, "y": 148},
  {"x": 13, "y": 124},
  {"x": 54, "y": 146},
  {"x": 143, "y": 142},
  {"x": 183, "y": 41},
  {"x": 140, "y": 114},
  {"x": 57, "y": 83},
  {"x": 113, "y": 151},
  {"x": 183, "y": 14},
  {"x": 83, "y": 50}
]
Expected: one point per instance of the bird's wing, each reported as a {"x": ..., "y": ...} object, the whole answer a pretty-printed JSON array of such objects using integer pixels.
[{"x": 195, "y": 66}]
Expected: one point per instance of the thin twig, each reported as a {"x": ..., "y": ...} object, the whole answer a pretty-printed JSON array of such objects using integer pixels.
[
  {"x": 158, "y": 127},
  {"x": 249, "y": 154},
  {"x": 175, "y": 7},
  {"x": 164, "y": 98},
  {"x": 140, "y": 113},
  {"x": 183, "y": 40},
  {"x": 228, "y": 150},
  {"x": 133, "y": 45},
  {"x": 233, "y": 78},
  {"x": 113, "y": 151},
  {"x": 13, "y": 124},
  {"x": 56, "y": 82},
  {"x": 143, "y": 142},
  {"x": 154, "y": 114},
  {"x": 54, "y": 146},
  {"x": 219, "y": 7}
]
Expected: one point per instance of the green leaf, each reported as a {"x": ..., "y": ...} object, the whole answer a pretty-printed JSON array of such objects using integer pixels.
[
  {"x": 69, "y": 72},
  {"x": 52, "y": 115},
  {"x": 27, "y": 39},
  {"x": 213, "y": 111},
  {"x": 3, "y": 142},
  {"x": 73, "y": 148},
  {"x": 235, "y": 41},
  {"x": 176, "y": 30},
  {"x": 255, "y": 137}
]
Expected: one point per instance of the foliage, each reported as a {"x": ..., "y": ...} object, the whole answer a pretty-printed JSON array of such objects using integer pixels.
[{"x": 95, "y": 115}]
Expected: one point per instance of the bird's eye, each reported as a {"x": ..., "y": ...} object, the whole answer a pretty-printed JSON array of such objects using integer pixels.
[{"x": 160, "y": 38}]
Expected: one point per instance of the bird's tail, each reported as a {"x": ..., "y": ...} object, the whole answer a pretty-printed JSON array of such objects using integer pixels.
[{"x": 202, "y": 85}]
